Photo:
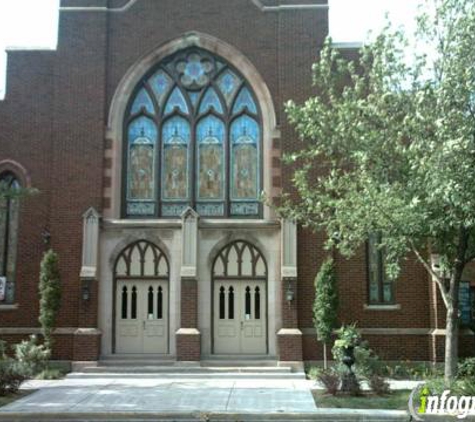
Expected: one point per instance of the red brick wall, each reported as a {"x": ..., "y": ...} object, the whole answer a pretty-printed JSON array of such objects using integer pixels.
[{"x": 54, "y": 118}]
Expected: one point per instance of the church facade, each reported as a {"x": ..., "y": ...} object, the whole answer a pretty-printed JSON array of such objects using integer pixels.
[{"x": 150, "y": 133}]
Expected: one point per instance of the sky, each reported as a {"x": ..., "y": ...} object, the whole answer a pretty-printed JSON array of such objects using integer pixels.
[{"x": 33, "y": 23}]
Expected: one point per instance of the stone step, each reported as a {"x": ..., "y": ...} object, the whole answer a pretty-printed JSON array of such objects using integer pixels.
[
  {"x": 139, "y": 373},
  {"x": 184, "y": 369}
]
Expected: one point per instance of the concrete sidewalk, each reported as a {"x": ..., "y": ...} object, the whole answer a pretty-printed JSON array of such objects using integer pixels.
[
  {"x": 105, "y": 399},
  {"x": 161, "y": 396}
]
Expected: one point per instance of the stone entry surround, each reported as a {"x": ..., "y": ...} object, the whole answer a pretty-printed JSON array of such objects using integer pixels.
[{"x": 191, "y": 245}]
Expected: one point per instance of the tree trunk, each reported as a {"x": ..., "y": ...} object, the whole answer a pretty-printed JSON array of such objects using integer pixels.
[
  {"x": 325, "y": 362},
  {"x": 451, "y": 345}
]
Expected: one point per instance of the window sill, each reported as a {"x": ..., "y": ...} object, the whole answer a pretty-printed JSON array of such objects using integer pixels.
[
  {"x": 9, "y": 307},
  {"x": 396, "y": 307}
]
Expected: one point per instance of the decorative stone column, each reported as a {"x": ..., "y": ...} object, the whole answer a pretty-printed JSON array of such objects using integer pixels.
[
  {"x": 188, "y": 337},
  {"x": 289, "y": 336},
  {"x": 87, "y": 337}
]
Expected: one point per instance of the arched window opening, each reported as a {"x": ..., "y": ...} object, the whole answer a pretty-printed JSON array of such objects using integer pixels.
[
  {"x": 9, "y": 221},
  {"x": 194, "y": 138}
]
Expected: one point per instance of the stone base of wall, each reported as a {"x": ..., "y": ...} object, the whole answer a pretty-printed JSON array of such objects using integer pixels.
[
  {"x": 87, "y": 344},
  {"x": 290, "y": 344},
  {"x": 188, "y": 345}
]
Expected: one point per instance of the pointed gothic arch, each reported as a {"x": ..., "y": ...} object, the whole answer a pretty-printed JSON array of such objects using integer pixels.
[{"x": 128, "y": 86}]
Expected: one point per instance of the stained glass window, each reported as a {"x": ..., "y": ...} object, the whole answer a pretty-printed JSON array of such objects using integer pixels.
[
  {"x": 9, "y": 221},
  {"x": 380, "y": 286},
  {"x": 193, "y": 133}
]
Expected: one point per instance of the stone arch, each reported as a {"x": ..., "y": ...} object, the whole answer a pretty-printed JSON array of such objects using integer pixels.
[
  {"x": 145, "y": 63},
  {"x": 17, "y": 170},
  {"x": 235, "y": 237},
  {"x": 128, "y": 240}
]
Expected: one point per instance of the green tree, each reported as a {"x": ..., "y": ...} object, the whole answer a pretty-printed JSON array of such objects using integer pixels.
[
  {"x": 50, "y": 295},
  {"x": 325, "y": 305},
  {"x": 389, "y": 147}
]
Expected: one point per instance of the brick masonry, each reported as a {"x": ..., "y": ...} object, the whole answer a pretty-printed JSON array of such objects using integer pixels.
[{"x": 53, "y": 123}]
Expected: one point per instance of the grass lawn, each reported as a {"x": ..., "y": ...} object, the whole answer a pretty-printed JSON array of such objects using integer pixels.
[
  {"x": 4, "y": 400},
  {"x": 397, "y": 400}
]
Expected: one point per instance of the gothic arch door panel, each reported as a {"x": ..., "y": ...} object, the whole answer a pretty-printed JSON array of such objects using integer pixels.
[
  {"x": 141, "y": 300},
  {"x": 240, "y": 301}
]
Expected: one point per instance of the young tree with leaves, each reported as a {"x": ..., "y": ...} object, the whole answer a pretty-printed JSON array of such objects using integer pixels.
[
  {"x": 325, "y": 305},
  {"x": 389, "y": 148},
  {"x": 50, "y": 295}
]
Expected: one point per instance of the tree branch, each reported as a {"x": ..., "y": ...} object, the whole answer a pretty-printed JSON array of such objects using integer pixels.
[{"x": 439, "y": 281}]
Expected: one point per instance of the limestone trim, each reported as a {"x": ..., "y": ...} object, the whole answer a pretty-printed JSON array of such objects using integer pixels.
[
  {"x": 286, "y": 7},
  {"x": 145, "y": 63},
  {"x": 289, "y": 249},
  {"x": 383, "y": 331},
  {"x": 90, "y": 244},
  {"x": 382, "y": 307},
  {"x": 121, "y": 9},
  {"x": 463, "y": 332},
  {"x": 189, "y": 243},
  {"x": 289, "y": 332},
  {"x": 188, "y": 332},
  {"x": 10, "y": 307}
]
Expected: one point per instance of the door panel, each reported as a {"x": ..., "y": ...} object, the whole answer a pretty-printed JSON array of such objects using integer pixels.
[
  {"x": 240, "y": 318},
  {"x": 142, "y": 317},
  {"x": 226, "y": 324}
]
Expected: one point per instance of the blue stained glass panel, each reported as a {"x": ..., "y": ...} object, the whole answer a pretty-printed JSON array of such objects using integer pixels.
[
  {"x": 142, "y": 101},
  {"x": 210, "y": 130},
  {"x": 176, "y": 131},
  {"x": 161, "y": 84},
  {"x": 176, "y": 135},
  {"x": 244, "y": 100},
  {"x": 142, "y": 127},
  {"x": 194, "y": 97},
  {"x": 245, "y": 130},
  {"x": 210, "y": 180},
  {"x": 211, "y": 101},
  {"x": 176, "y": 100},
  {"x": 244, "y": 159},
  {"x": 228, "y": 83}
]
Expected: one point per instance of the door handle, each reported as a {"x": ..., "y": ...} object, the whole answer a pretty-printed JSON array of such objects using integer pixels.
[
  {"x": 242, "y": 325},
  {"x": 143, "y": 324}
]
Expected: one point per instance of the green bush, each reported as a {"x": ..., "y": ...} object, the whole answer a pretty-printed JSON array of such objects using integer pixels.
[
  {"x": 466, "y": 368},
  {"x": 11, "y": 376},
  {"x": 32, "y": 356},
  {"x": 50, "y": 295}
]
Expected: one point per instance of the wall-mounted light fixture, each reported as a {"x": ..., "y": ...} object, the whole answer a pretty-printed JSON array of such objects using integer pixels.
[
  {"x": 46, "y": 236},
  {"x": 289, "y": 294}
]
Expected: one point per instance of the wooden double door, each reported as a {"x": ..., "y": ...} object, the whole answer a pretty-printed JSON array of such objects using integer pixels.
[
  {"x": 240, "y": 317},
  {"x": 142, "y": 317}
]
